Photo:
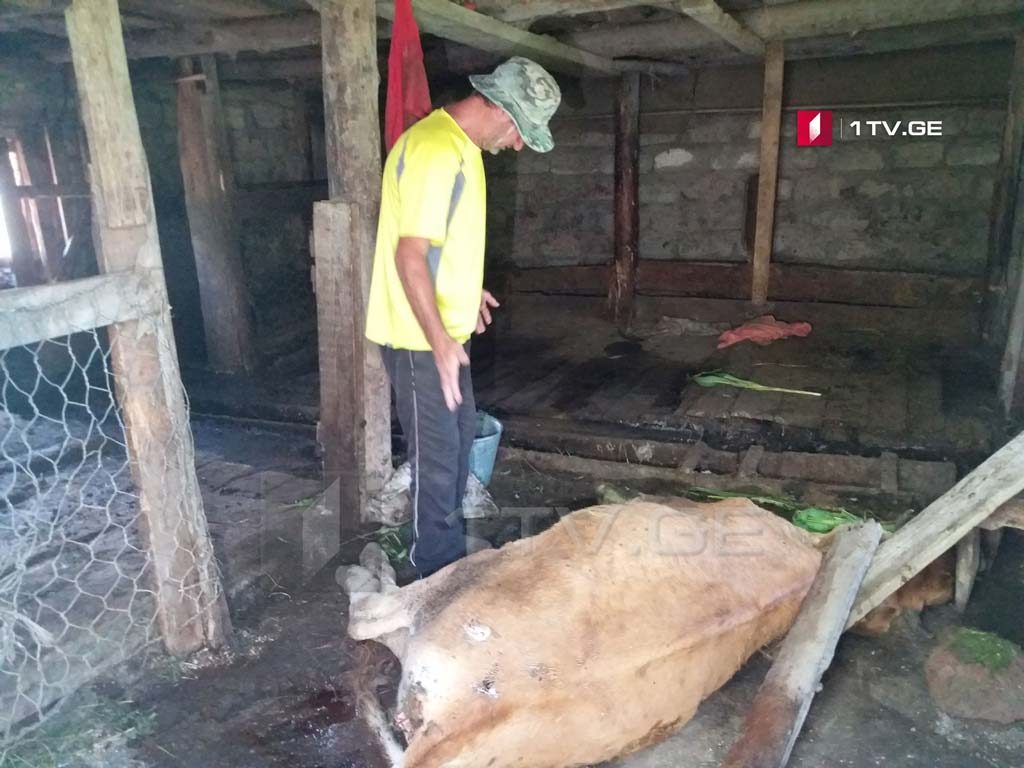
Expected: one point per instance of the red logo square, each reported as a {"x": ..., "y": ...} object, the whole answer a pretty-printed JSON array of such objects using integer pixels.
[{"x": 814, "y": 128}]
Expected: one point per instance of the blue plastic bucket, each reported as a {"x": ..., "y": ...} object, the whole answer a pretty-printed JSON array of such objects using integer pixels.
[{"x": 485, "y": 447}]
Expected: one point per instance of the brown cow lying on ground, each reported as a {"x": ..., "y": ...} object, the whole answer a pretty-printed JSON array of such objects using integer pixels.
[{"x": 591, "y": 640}]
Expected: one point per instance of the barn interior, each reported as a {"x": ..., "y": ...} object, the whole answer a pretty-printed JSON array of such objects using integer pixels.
[{"x": 202, "y": 179}]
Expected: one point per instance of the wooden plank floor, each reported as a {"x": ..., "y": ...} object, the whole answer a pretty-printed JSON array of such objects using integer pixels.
[{"x": 881, "y": 406}]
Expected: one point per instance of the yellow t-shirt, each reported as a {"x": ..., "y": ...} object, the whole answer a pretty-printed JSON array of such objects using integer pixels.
[{"x": 433, "y": 188}]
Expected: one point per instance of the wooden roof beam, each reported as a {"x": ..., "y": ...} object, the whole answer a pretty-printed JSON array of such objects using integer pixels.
[
  {"x": 454, "y": 22},
  {"x": 709, "y": 14},
  {"x": 810, "y": 23},
  {"x": 525, "y": 12},
  {"x": 808, "y": 18}
]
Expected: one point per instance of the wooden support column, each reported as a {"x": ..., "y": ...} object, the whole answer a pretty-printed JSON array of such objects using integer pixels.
[
  {"x": 191, "y": 610},
  {"x": 622, "y": 286},
  {"x": 27, "y": 269},
  {"x": 1006, "y": 264},
  {"x": 771, "y": 120},
  {"x": 355, "y": 397},
  {"x": 212, "y": 218}
]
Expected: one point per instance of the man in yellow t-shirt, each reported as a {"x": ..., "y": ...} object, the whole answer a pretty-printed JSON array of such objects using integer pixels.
[{"x": 426, "y": 295}]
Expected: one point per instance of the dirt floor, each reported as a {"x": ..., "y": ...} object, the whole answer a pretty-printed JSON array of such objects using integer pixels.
[{"x": 281, "y": 695}]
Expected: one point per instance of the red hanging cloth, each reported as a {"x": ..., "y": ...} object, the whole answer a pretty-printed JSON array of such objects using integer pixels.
[{"x": 408, "y": 93}]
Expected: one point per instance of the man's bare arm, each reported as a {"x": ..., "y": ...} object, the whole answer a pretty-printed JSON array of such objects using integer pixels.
[{"x": 411, "y": 261}]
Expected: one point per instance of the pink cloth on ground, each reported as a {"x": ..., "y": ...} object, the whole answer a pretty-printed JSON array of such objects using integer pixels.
[{"x": 762, "y": 330}]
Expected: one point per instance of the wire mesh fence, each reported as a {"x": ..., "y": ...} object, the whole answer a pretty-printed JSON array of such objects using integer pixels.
[{"x": 103, "y": 546}]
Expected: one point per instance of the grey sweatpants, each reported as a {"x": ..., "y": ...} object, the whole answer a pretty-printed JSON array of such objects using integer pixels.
[{"x": 439, "y": 441}]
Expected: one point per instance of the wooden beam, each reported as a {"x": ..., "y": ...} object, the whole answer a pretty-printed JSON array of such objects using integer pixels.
[
  {"x": 622, "y": 286},
  {"x": 710, "y": 14},
  {"x": 809, "y": 18},
  {"x": 28, "y": 316},
  {"x": 789, "y": 282},
  {"x": 191, "y": 610},
  {"x": 968, "y": 558},
  {"x": 454, "y": 22},
  {"x": 771, "y": 122},
  {"x": 355, "y": 397},
  {"x": 1006, "y": 264},
  {"x": 210, "y": 202},
  {"x": 267, "y": 33},
  {"x": 687, "y": 37},
  {"x": 942, "y": 524},
  {"x": 531, "y": 10},
  {"x": 784, "y": 698},
  {"x": 203, "y": 10}
]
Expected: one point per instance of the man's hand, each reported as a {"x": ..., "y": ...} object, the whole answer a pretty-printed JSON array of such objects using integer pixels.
[
  {"x": 449, "y": 357},
  {"x": 486, "y": 302}
]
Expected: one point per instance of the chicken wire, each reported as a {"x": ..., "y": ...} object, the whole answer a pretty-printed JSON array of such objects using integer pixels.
[{"x": 77, "y": 579}]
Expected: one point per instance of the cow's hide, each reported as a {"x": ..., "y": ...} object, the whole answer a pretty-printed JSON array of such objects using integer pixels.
[{"x": 593, "y": 639}]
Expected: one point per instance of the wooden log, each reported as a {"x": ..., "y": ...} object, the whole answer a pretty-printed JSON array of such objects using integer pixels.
[
  {"x": 209, "y": 185},
  {"x": 622, "y": 285},
  {"x": 27, "y": 269},
  {"x": 709, "y": 14},
  {"x": 968, "y": 558},
  {"x": 355, "y": 397},
  {"x": 771, "y": 121},
  {"x": 191, "y": 610},
  {"x": 31, "y": 315},
  {"x": 690, "y": 472},
  {"x": 942, "y": 524},
  {"x": 784, "y": 698}
]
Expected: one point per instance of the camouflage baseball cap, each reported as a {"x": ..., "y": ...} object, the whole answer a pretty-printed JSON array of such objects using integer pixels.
[{"x": 529, "y": 95}]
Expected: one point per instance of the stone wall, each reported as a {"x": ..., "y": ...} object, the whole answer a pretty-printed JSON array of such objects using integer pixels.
[
  {"x": 269, "y": 136},
  {"x": 911, "y": 204}
]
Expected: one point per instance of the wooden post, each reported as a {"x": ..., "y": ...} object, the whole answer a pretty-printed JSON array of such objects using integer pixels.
[
  {"x": 191, "y": 610},
  {"x": 968, "y": 558},
  {"x": 782, "y": 702},
  {"x": 622, "y": 287},
  {"x": 355, "y": 397},
  {"x": 212, "y": 219},
  {"x": 771, "y": 120},
  {"x": 27, "y": 270},
  {"x": 1006, "y": 265}
]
